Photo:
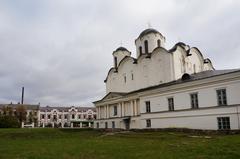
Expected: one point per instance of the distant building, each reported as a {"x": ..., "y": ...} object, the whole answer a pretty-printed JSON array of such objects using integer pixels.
[
  {"x": 175, "y": 88},
  {"x": 67, "y": 117},
  {"x": 31, "y": 111},
  {"x": 60, "y": 117}
]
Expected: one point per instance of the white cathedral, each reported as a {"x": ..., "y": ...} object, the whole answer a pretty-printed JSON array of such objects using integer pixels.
[{"x": 160, "y": 88}]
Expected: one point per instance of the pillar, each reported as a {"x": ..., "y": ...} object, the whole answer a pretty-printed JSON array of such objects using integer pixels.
[
  {"x": 80, "y": 124},
  {"x": 71, "y": 125},
  {"x": 123, "y": 108},
  {"x": 43, "y": 125}
]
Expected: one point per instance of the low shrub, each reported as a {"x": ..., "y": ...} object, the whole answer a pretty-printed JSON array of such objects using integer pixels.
[{"x": 9, "y": 122}]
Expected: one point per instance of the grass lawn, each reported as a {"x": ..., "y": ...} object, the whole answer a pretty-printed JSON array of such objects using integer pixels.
[{"x": 89, "y": 144}]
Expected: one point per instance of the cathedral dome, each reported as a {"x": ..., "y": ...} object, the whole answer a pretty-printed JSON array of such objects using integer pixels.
[
  {"x": 148, "y": 31},
  {"x": 121, "y": 49}
]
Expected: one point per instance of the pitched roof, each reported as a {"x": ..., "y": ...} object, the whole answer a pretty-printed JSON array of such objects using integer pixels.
[
  {"x": 27, "y": 106},
  {"x": 49, "y": 108}
]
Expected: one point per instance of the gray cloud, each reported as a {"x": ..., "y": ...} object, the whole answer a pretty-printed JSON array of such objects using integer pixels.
[{"x": 61, "y": 50}]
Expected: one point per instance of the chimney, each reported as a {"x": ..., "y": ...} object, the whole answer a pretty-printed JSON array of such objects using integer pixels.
[{"x": 22, "y": 95}]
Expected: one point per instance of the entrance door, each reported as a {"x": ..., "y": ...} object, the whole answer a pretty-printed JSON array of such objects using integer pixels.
[{"x": 127, "y": 123}]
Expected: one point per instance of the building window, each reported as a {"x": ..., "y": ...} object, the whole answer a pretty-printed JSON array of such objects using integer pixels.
[
  {"x": 148, "y": 123},
  {"x": 115, "y": 62},
  {"x": 73, "y": 116},
  {"x": 43, "y": 116},
  {"x": 65, "y": 116},
  {"x": 146, "y": 46},
  {"x": 49, "y": 116},
  {"x": 222, "y": 97},
  {"x": 106, "y": 125},
  {"x": 97, "y": 125},
  {"x": 148, "y": 106},
  {"x": 115, "y": 110},
  {"x": 223, "y": 123},
  {"x": 194, "y": 100},
  {"x": 171, "y": 104},
  {"x": 125, "y": 78},
  {"x": 158, "y": 43},
  {"x": 132, "y": 76},
  {"x": 60, "y": 116},
  {"x": 140, "y": 50},
  {"x": 113, "y": 124},
  {"x": 79, "y": 116}
]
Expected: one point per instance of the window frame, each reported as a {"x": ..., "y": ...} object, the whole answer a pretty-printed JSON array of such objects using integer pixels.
[
  {"x": 146, "y": 46},
  {"x": 148, "y": 123},
  {"x": 194, "y": 100},
  {"x": 113, "y": 125},
  {"x": 115, "y": 111},
  {"x": 148, "y": 106},
  {"x": 170, "y": 103},
  {"x": 224, "y": 123},
  {"x": 221, "y": 96}
]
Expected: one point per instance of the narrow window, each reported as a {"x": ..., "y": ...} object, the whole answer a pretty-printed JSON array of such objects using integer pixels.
[
  {"x": 106, "y": 125},
  {"x": 125, "y": 79},
  {"x": 140, "y": 50},
  {"x": 113, "y": 124},
  {"x": 73, "y": 116},
  {"x": 49, "y": 116},
  {"x": 148, "y": 123},
  {"x": 65, "y": 116},
  {"x": 132, "y": 76},
  {"x": 43, "y": 116},
  {"x": 115, "y": 62},
  {"x": 60, "y": 116},
  {"x": 146, "y": 46},
  {"x": 114, "y": 110},
  {"x": 158, "y": 43},
  {"x": 148, "y": 106},
  {"x": 223, "y": 123},
  {"x": 222, "y": 97},
  {"x": 194, "y": 100},
  {"x": 171, "y": 104}
]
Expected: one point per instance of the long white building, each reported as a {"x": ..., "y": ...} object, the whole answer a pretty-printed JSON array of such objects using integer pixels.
[
  {"x": 160, "y": 88},
  {"x": 61, "y": 117}
]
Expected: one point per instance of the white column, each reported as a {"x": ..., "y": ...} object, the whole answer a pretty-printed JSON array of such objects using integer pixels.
[
  {"x": 123, "y": 109},
  {"x": 43, "y": 124},
  {"x": 71, "y": 125},
  {"x": 105, "y": 112},
  {"x": 119, "y": 110},
  {"x": 80, "y": 124},
  {"x": 135, "y": 107}
]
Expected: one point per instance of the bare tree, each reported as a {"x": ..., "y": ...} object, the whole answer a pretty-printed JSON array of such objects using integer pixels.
[{"x": 21, "y": 113}]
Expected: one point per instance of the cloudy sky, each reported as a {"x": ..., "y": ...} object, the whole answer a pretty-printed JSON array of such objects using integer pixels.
[{"x": 61, "y": 50}]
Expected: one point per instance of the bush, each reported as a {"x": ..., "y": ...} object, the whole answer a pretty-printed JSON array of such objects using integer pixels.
[{"x": 9, "y": 122}]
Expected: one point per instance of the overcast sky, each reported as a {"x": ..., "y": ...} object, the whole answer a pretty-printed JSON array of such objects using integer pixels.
[{"x": 61, "y": 50}]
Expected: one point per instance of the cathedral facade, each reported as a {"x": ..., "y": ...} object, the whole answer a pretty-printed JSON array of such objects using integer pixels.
[{"x": 160, "y": 88}]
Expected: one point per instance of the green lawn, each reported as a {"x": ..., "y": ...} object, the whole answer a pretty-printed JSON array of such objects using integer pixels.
[{"x": 89, "y": 144}]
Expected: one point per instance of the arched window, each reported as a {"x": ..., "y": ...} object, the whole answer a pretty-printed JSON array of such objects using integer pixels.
[
  {"x": 158, "y": 43},
  {"x": 115, "y": 62},
  {"x": 146, "y": 46},
  {"x": 140, "y": 50}
]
